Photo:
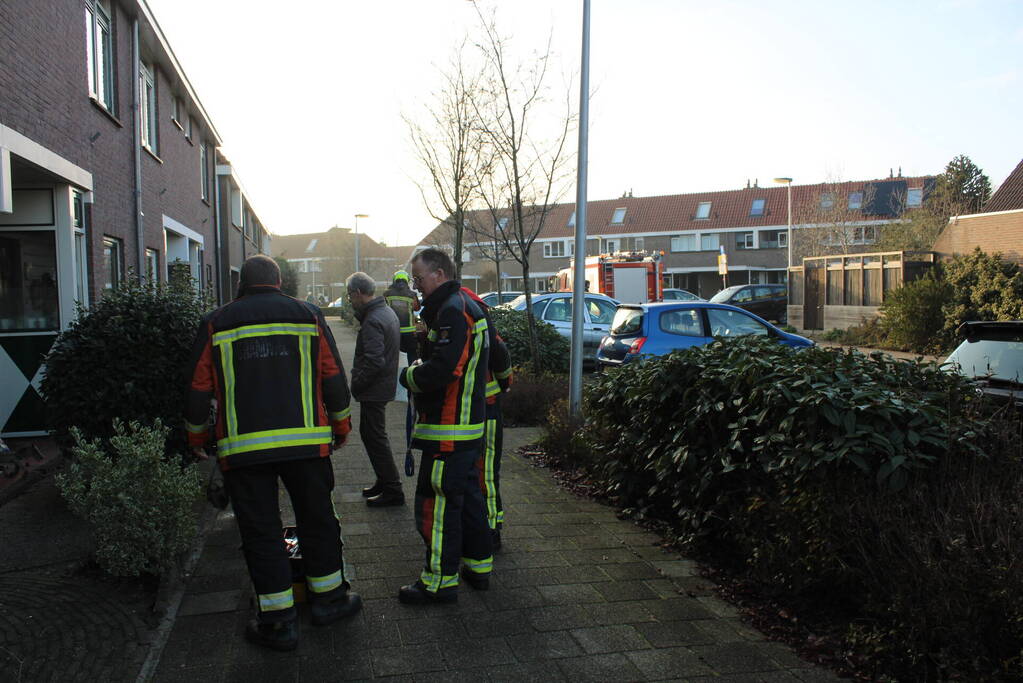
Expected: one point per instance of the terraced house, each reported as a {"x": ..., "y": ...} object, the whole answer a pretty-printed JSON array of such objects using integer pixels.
[
  {"x": 749, "y": 225},
  {"x": 109, "y": 169}
]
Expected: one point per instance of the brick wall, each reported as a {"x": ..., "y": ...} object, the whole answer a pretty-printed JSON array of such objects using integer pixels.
[{"x": 994, "y": 233}]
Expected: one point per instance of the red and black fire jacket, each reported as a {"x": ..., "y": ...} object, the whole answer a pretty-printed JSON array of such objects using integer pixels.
[
  {"x": 449, "y": 386},
  {"x": 499, "y": 375},
  {"x": 272, "y": 365}
]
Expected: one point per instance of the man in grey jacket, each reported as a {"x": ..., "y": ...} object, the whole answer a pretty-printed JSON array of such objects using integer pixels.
[{"x": 374, "y": 380}]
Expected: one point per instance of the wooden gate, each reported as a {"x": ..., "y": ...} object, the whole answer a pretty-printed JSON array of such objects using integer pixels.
[{"x": 813, "y": 299}]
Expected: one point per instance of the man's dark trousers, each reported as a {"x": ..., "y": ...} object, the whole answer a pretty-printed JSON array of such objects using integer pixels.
[
  {"x": 254, "y": 497},
  {"x": 452, "y": 519},
  {"x": 373, "y": 432}
]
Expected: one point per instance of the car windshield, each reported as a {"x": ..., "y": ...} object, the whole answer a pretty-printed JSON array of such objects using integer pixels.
[
  {"x": 990, "y": 358},
  {"x": 520, "y": 300},
  {"x": 627, "y": 321},
  {"x": 725, "y": 294}
]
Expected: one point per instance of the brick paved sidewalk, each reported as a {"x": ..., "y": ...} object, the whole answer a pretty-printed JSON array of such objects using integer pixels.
[{"x": 576, "y": 594}]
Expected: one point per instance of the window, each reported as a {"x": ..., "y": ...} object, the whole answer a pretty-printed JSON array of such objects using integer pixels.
[
  {"x": 190, "y": 129},
  {"x": 601, "y": 312},
  {"x": 571, "y": 220},
  {"x": 502, "y": 224},
  {"x": 100, "y": 53},
  {"x": 703, "y": 210},
  {"x": 710, "y": 242},
  {"x": 631, "y": 243},
  {"x": 618, "y": 217},
  {"x": 78, "y": 223},
  {"x": 312, "y": 244},
  {"x": 176, "y": 114},
  {"x": 204, "y": 171},
  {"x": 153, "y": 265},
  {"x": 553, "y": 249},
  {"x": 773, "y": 239},
  {"x": 610, "y": 246},
  {"x": 744, "y": 240},
  {"x": 757, "y": 207},
  {"x": 914, "y": 197},
  {"x": 733, "y": 324},
  {"x": 683, "y": 243},
  {"x": 685, "y": 321},
  {"x": 147, "y": 91},
  {"x": 559, "y": 310},
  {"x": 827, "y": 200},
  {"x": 28, "y": 281},
  {"x": 855, "y": 200},
  {"x": 113, "y": 262},
  {"x": 864, "y": 235}
]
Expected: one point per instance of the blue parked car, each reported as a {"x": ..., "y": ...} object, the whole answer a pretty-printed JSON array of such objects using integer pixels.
[{"x": 657, "y": 329}]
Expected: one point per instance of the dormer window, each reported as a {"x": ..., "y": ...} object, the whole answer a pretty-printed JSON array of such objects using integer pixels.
[
  {"x": 618, "y": 217},
  {"x": 915, "y": 197},
  {"x": 827, "y": 200},
  {"x": 757, "y": 207},
  {"x": 855, "y": 200},
  {"x": 502, "y": 224},
  {"x": 312, "y": 245},
  {"x": 703, "y": 210},
  {"x": 571, "y": 220}
]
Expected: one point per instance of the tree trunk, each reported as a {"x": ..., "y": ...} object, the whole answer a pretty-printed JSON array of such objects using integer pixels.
[
  {"x": 459, "y": 227},
  {"x": 534, "y": 343}
]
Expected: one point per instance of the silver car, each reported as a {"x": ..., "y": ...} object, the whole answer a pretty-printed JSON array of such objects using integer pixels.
[{"x": 556, "y": 308}]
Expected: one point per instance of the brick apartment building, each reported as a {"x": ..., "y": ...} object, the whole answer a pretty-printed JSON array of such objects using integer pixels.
[
  {"x": 109, "y": 169},
  {"x": 324, "y": 260},
  {"x": 750, "y": 224},
  {"x": 997, "y": 228}
]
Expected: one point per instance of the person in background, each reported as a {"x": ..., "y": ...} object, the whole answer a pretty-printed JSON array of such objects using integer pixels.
[
  {"x": 374, "y": 380},
  {"x": 282, "y": 400}
]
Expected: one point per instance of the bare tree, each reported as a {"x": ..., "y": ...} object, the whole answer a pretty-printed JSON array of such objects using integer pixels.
[
  {"x": 448, "y": 147},
  {"x": 526, "y": 166},
  {"x": 835, "y": 220}
]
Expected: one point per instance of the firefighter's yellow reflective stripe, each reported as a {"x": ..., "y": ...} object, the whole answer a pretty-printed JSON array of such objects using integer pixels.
[
  {"x": 271, "y": 602},
  {"x": 490, "y": 488},
  {"x": 480, "y": 329},
  {"x": 493, "y": 388},
  {"x": 324, "y": 584},
  {"x": 431, "y": 335},
  {"x": 306, "y": 373},
  {"x": 404, "y": 299},
  {"x": 430, "y": 579},
  {"x": 340, "y": 415},
  {"x": 407, "y": 328},
  {"x": 503, "y": 374},
  {"x": 264, "y": 331},
  {"x": 227, "y": 360},
  {"x": 500, "y": 516},
  {"x": 437, "y": 532},
  {"x": 195, "y": 429},
  {"x": 479, "y": 566},
  {"x": 273, "y": 438},
  {"x": 428, "y": 432},
  {"x": 411, "y": 380}
]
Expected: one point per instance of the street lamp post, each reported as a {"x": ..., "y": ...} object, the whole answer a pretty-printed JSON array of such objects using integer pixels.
[
  {"x": 788, "y": 236},
  {"x": 357, "y": 217}
]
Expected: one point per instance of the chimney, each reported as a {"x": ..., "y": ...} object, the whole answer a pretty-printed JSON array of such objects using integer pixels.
[
  {"x": 890, "y": 174},
  {"x": 747, "y": 183},
  {"x": 756, "y": 183},
  {"x": 900, "y": 171}
]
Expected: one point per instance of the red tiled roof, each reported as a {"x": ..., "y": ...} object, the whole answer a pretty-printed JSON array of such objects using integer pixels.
[
  {"x": 1009, "y": 196},
  {"x": 669, "y": 213}
]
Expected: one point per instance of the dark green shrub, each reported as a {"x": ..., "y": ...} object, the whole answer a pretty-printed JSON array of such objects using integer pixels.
[
  {"x": 833, "y": 335},
  {"x": 912, "y": 317},
  {"x": 877, "y": 491},
  {"x": 514, "y": 329},
  {"x": 139, "y": 506},
  {"x": 562, "y": 439},
  {"x": 981, "y": 287},
  {"x": 289, "y": 276},
  {"x": 531, "y": 397},
  {"x": 126, "y": 357}
]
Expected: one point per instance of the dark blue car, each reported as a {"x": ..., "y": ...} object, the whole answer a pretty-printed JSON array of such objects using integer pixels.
[{"x": 659, "y": 328}]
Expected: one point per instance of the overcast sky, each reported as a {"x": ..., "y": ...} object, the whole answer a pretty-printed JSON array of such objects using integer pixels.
[{"x": 689, "y": 95}]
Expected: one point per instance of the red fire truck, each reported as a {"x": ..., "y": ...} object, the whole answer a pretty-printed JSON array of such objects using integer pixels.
[{"x": 631, "y": 277}]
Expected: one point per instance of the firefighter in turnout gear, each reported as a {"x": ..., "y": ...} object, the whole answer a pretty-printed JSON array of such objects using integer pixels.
[
  {"x": 499, "y": 378},
  {"x": 400, "y": 297},
  {"x": 449, "y": 385},
  {"x": 282, "y": 402}
]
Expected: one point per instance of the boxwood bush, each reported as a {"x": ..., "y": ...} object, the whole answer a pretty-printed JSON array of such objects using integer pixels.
[
  {"x": 514, "y": 329},
  {"x": 882, "y": 492}
]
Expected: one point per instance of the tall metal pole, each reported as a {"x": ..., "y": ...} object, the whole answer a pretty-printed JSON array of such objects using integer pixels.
[
  {"x": 357, "y": 217},
  {"x": 789, "y": 237},
  {"x": 575, "y": 393}
]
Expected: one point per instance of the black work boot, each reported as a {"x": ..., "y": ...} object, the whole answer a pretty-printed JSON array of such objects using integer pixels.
[
  {"x": 374, "y": 490},
  {"x": 323, "y": 614},
  {"x": 386, "y": 499},
  {"x": 416, "y": 594},
  {"x": 495, "y": 539},
  {"x": 281, "y": 635},
  {"x": 480, "y": 582}
]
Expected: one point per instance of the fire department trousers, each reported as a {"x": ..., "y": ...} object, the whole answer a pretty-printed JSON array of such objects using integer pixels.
[
  {"x": 451, "y": 518},
  {"x": 254, "y": 497},
  {"x": 490, "y": 472}
]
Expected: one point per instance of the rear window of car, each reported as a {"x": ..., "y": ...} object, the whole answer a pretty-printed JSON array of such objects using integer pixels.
[
  {"x": 990, "y": 358},
  {"x": 724, "y": 295},
  {"x": 684, "y": 321},
  {"x": 627, "y": 321}
]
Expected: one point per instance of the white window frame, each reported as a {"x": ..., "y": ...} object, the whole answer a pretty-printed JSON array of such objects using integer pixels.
[
  {"x": 204, "y": 170},
  {"x": 618, "y": 217},
  {"x": 153, "y": 265},
  {"x": 147, "y": 100},
  {"x": 190, "y": 129},
  {"x": 611, "y": 246},
  {"x": 918, "y": 193},
  {"x": 753, "y": 206},
  {"x": 677, "y": 244},
  {"x": 706, "y": 236},
  {"x": 703, "y": 210},
  {"x": 571, "y": 220},
  {"x": 99, "y": 46},
  {"x": 116, "y": 246},
  {"x": 549, "y": 250},
  {"x": 745, "y": 240},
  {"x": 176, "y": 113}
]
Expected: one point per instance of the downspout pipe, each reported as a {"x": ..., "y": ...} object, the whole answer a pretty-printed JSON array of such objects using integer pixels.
[
  {"x": 136, "y": 106},
  {"x": 216, "y": 225}
]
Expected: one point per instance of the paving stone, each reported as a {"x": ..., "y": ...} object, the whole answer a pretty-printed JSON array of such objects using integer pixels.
[
  {"x": 638, "y": 571},
  {"x": 673, "y": 633},
  {"x": 609, "y": 667},
  {"x": 578, "y": 574},
  {"x": 679, "y": 568},
  {"x": 563, "y": 617},
  {"x": 725, "y": 631},
  {"x": 528, "y": 560},
  {"x": 210, "y": 603},
  {"x": 502, "y": 598},
  {"x": 674, "y": 609},
  {"x": 490, "y": 623},
  {"x": 353, "y": 666},
  {"x": 667, "y": 663},
  {"x": 619, "y": 555},
  {"x": 614, "y": 591},
  {"x": 524, "y": 673},
  {"x": 477, "y": 652},
  {"x": 570, "y": 594},
  {"x": 629, "y": 612},
  {"x": 430, "y": 629},
  {"x": 734, "y": 657},
  {"x": 610, "y": 639},
  {"x": 529, "y": 647},
  {"x": 409, "y": 659}
]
